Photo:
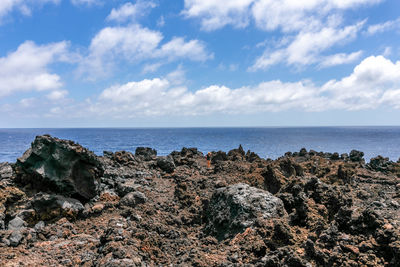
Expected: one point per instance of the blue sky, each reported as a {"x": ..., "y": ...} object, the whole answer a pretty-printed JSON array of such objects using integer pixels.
[{"x": 162, "y": 63}]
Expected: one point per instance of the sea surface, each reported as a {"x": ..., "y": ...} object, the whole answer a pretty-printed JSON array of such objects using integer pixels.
[{"x": 266, "y": 142}]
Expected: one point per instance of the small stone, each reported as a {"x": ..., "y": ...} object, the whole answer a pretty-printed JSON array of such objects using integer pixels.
[
  {"x": 133, "y": 198},
  {"x": 15, "y": 238},
  {"x": 97, "y": 208},
  {"x": 16, "y": 223},
  {"x": 39, "y": 226}
]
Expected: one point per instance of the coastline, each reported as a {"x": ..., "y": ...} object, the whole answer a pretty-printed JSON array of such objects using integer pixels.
[{"x": 63, "y": 205}]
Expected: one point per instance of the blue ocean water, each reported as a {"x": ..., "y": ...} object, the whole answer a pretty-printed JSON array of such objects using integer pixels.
[{"x": 267, "y": 142}]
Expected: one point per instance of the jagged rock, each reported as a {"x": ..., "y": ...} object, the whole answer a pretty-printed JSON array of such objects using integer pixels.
[
  {"x": 234, "y": 208},
  {"x": 166, "y": 164},
  {"x": 133, "y": 198},
  {"x": 218, "y": 156},
  {"x": 124, "y": 187},
  {"x": 146, "y": 153},
  {"x": 356, "y": 156},
  {"x": 251, "y": 156},
  {"x": 61, "y": 166},
  {"x": 236, "y": 154},
  {"x": 271, "y": 180},
  {"x": 16, "y": 223},
  {"x": 379, "y": 163},
  {"x": 15, "y": 238},
  {"x": 123, "y": 157},
  {"x": 6, "y": 171},
  {"x": 50, "y": 207}
]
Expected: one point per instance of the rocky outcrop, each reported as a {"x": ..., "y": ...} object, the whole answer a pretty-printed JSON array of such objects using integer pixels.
[
  {"x": 61, "y": 205},
  {"x": 60, "y": 166},
  {"x": 146, "y": 153},
  {"x": 234, "y": 208}
]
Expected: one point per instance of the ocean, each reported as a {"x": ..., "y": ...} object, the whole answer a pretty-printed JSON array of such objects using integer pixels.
[{"x": 267, "y": 142}]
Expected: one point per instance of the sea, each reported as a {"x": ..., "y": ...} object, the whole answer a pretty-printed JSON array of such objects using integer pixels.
[{"x": 267, "y": 142}]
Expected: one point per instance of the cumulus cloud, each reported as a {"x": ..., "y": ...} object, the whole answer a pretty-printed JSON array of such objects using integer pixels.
[
  {"x": 23, "y": 6},
  {"x": 134, "y": 43},
  {"x": 26, "y": 69},
  {"x": 130, "y": 12},
  {"x": 374, "y": 82}
]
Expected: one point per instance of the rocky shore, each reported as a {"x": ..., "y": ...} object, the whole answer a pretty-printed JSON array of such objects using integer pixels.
[{"x": 61, "y": 205}]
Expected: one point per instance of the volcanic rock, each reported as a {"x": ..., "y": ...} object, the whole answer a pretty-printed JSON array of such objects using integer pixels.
[
  {"x": 61, "y": 166},
  {"x": 147, "y": 153},
  {"x": 166, "y": 164},
  {"x": 234, "y": 208}
]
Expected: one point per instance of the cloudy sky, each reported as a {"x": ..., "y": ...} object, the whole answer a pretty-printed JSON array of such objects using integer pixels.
[{"x": 115, "y": 63}]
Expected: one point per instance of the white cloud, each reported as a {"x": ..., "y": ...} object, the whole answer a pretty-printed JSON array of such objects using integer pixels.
[
  {"x": 179, "y": 48},
  {"x": 307, "y": 47},
  {"x": 26, "y": 69},
  {"x": 217, "y": 14},
  {"x": 314, "y": 26},
  {"x": 287, "y": 15},
  {"x": 339, "y": 59},
  {"x": 366, "y": 86},
  {"x": 23, "y": 6},
  {"x": 383, "y": 27},
  {"x": 374, "y": 82},
  {"x": 130, "y": 12},
  {"x": 134, "y": 43},
  {"x": 57, "y": 95}
]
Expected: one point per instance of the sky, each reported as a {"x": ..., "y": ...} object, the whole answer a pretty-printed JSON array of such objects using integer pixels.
[{"x": 199, "y": 63}]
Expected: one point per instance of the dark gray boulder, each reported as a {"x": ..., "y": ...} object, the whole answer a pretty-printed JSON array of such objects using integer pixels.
[
  {"x": 166, "y": 164},
  {"x": 380, "y": 163},
  {"x": 356, "y": 156},
  {"x": 234, "y": 208},
  {"x": 60, "y": 166},
  {"x": 146, "y": 153}
]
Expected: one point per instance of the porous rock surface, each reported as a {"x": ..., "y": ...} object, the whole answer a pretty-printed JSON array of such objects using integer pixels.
[
  {"x": 61, "y": 205},
  {"x": 61, "y": 165}
]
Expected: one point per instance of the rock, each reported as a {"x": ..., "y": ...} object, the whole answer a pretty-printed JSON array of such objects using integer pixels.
[
  {"x": 234, "y": 208},
  {"x": 236, "y": 154},
  {"x": 218, "y": 156},
  {"x": 271, "y": 181},
  {"x": 356, "y": 156},
  {"x": 16, "y": 223},
  {"x": 39, "y": 226},
  {"x": 123, "y": 157},
  {"x": 97, "y": 208},
  {"x": 251, "y": 156},
  {"x": 379, "y": 163},
  {"x": 50, "y": 207},
  {"x": 126, "y": 186},
  {"x": 146, "y": 153},
  {"x": 15, "y": 238},
  {"x": 6, "y": 171},
  {"x": 303, "y": 152},
  {"x": 133, "y": 198},
  {"x": 61, "y": 166},
  {"x": 166, "y": 164}
]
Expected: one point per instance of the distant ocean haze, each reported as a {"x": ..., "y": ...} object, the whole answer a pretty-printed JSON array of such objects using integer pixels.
[{"x": 266, "y": 142}]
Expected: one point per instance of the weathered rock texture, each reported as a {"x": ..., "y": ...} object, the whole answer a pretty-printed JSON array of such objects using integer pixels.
[
  {"x": 61, "y": 166},
  {"x": 61, "y": 205}
]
